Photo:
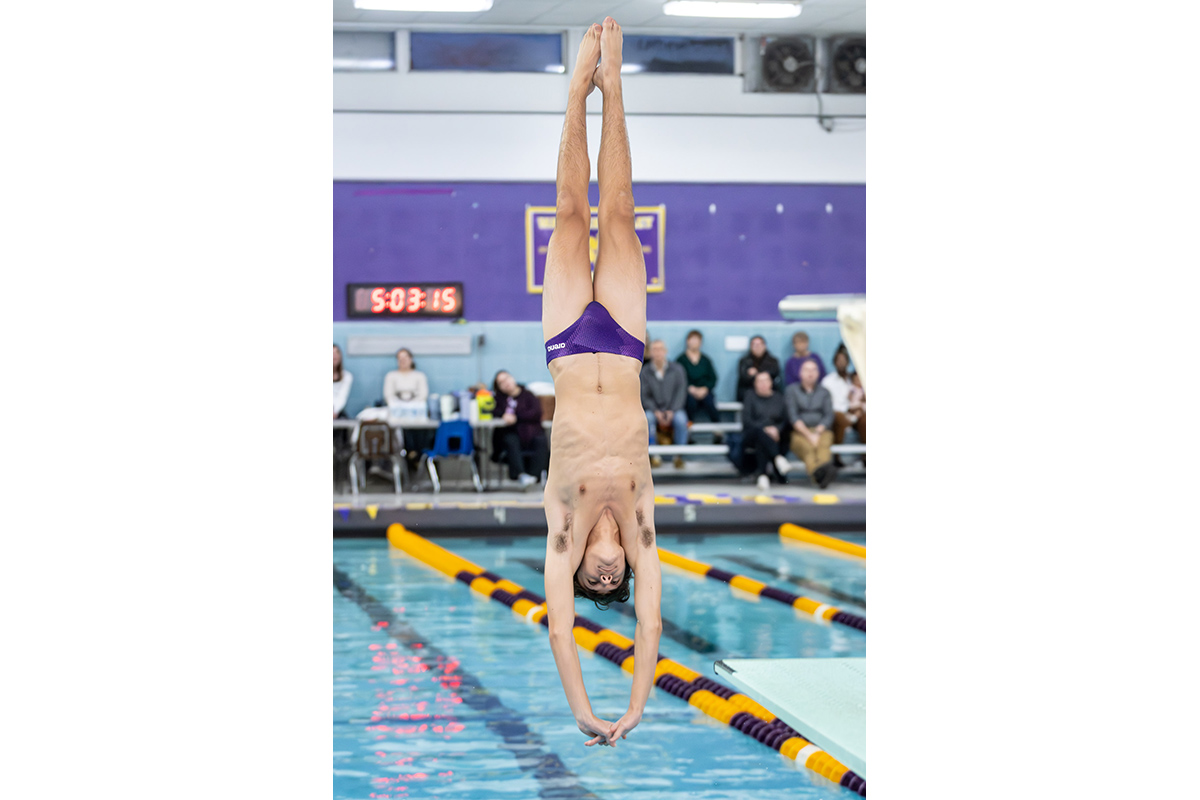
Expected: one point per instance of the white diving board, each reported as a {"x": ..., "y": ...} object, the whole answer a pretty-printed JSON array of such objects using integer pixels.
[{"x": 825, "y": 699}]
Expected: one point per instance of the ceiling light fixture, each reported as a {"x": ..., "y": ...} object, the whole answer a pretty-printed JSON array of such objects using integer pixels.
[
  {"x": 424, "y": 5},
  {"x": 362, "y": 64},
  {"x": 704, "y": 8}
]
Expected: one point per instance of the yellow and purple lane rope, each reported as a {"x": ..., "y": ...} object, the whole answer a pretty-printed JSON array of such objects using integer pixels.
[
  {"x": 790, "y": 531},
  {"x": 712, "y": 697},
  {"x": 806, "y": 604}
]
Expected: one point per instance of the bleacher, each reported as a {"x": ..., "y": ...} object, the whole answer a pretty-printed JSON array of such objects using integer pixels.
[
  {"x": 714, "y": 449},
  {"x": 733, "y": 426}
]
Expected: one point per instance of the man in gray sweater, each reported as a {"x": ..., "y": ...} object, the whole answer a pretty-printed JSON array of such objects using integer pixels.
[
  {"x": 810, "y": 412},
  {"x": 664, "y": 394}
]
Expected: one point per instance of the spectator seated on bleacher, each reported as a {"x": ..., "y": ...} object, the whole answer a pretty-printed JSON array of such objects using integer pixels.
[
  {"x": 664, "y": 387},
  {"x": 408, "y": 384},
  {"x": 765, "y": 430},
  {"x": 756, "y": 361},
  {"x": 840, "y": 388},
  {"x": 522, "y": 442},
  {"x": 858, "y": 406},
  {"x": 701, "y": 379},
  {"x": 800, "y": 354},
  {"x": 342, "y": 381},
  {"x": 810, "y": 412}
]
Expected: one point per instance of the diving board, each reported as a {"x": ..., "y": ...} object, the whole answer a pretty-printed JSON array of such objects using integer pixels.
[{"x": 825, "y": 699}]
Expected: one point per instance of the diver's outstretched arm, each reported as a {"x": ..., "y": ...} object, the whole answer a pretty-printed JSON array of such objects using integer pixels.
[
  {"x": 647, "y": 597},
  {"x": 560, "y": 611}
]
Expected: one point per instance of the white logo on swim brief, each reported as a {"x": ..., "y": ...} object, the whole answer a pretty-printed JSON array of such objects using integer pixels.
[{"x": 558, "y": 346}]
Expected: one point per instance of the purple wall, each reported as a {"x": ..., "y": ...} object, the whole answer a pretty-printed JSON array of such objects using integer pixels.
[{"x": 733, "y": 264}]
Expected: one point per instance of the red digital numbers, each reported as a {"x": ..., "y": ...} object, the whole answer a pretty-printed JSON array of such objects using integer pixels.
[{"x": 421, "y": 300}]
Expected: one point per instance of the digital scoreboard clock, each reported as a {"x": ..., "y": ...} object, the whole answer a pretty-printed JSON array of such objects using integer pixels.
[{"x": 403, "y": 300}]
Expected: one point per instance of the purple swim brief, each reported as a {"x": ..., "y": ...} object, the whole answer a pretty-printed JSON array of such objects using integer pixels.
[{"x": 595, "y": 332}]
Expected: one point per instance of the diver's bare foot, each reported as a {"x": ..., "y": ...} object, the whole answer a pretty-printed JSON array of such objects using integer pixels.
[
  {"x": 585, "y": 63},
  {"x": 608, "y": 73}
]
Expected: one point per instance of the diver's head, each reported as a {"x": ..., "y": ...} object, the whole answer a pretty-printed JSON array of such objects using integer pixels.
[{"x": 603, "y": 575}]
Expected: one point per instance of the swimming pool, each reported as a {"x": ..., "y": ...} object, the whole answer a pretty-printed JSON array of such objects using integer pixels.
[{"x": 453, "y": 695}]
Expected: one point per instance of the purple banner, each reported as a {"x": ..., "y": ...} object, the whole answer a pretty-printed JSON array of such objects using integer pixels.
[
  {"x": 648, "y": 223},
  {"x": 736, "y": 249}
]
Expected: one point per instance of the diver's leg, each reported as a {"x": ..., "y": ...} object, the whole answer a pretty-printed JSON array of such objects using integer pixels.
[
  {"x": 567, "y": 286},
  {"x": 620, "y": 284}
]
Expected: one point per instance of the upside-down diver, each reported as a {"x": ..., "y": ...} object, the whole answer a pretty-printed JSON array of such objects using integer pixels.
[{"x": 599, "y": 496}]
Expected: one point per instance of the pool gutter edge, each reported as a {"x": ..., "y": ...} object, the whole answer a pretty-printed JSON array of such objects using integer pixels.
[{"x": 668, "y": 518}]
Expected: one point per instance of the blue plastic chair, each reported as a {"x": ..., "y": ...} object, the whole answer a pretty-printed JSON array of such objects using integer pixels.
[{"x": 454, "y": 439}]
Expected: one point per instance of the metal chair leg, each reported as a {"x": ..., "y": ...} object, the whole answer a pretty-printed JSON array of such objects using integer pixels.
[
  {"x": 437, "y": 485},
  {"x": 354, "y": 476},
  {"x": 475, "y": 474},
  {"x": 396, "y": 475}
]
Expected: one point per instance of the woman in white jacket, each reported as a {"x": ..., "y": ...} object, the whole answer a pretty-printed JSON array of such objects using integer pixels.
[
  {"x": 342, "y": 380},
  {"x": 406, "y": 383}
]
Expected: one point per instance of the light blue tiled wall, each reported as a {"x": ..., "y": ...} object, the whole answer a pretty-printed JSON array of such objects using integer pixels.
[{"x": 518, "y": 348}]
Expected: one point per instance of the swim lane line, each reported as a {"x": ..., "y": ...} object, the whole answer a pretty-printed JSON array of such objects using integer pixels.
[
  {"x": 712, "y": 697},
  {"x": 806, "y": 604},
  {"x": 790, "y": 531}
]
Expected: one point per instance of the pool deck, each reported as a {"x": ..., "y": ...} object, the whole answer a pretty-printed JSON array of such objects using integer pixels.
[{"x": 700, "y": 497}]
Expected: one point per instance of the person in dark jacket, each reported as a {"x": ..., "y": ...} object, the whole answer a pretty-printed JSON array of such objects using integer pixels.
[
  {"x": 765, "y": 428},
  {"x": 756, "y": 361},
  {"x": 664, "y": 386},
  {"x": 522, "y": 439},
  {"x": 701, "y": 379},
  {"x": 810, "y": 412}
]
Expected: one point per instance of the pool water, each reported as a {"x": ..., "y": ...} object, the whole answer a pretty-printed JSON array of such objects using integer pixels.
[{"x": 439, "y": 691}]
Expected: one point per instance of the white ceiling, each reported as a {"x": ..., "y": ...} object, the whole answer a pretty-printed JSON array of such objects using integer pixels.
[{"x": 818, "y": 17}]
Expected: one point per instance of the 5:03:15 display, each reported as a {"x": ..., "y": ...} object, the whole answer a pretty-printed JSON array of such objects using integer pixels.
[
  {"x": 444, "y": 300},
  {"x": 388, "y": 300}
]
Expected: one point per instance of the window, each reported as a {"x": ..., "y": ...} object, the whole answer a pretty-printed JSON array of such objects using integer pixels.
[
  {"x": 487, "y": 52},
  {"x": 698, "y": 54},
  {"x": 363, "y": 52}
]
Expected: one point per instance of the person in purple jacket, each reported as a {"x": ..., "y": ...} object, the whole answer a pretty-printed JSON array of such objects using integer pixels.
[
  {"x": 522, "y": 440},
  {"x": 800, "y": 354}
]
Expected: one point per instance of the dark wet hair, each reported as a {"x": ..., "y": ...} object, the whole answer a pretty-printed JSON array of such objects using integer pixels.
[
  {"x": 692, "y": 333},
  {"x": 604, "y": 599},
  {"x": 341, "y": 363}
]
